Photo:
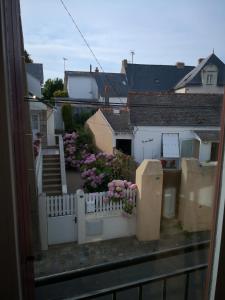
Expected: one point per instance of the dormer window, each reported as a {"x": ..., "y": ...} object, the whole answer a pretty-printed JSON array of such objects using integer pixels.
[
  {"x": 209, "y": 75},
  {"x": 209, "y": 79}
]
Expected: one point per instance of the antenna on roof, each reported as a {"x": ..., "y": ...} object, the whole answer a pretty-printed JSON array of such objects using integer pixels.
[
  {"x": 213, "y": 50},
  {"x": 132, "y": 55},
  {"x": 64, "y": 58}
]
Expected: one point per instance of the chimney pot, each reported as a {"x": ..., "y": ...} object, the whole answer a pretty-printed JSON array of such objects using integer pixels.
[
  {"x": 180, "y": 65},
  {"x": 96, "y": 69},
  {"x": 200, "y": 60},
  {"x": 90, "y": 68}
]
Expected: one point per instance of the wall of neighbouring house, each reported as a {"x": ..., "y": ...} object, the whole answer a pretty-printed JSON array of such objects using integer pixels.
[
  {"x": 102, "y": 132},
  {"x": 43, "y": 123},
  {"x": 50, "y": 127},
  {"x": 152, "y": 149},
  {"x": 196, "y": 195},
  {"x": 207, "y": 89},
  {"x": 82, "y": 87}
]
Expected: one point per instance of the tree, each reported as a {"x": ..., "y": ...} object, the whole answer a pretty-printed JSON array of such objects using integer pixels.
[
  {"x": 67, "y": 115},
  {"x": 52, "y": 85},
  {"x": 27, "y": 57},
  {"x": 60, "y": 94}
]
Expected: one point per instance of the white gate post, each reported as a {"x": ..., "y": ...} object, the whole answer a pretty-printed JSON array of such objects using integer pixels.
[
  {"x": 43, "y": 221},
  {"x": 81, "y": 216}
]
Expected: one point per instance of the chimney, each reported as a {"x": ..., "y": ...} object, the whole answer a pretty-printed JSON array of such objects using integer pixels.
[
  {"x": 90, "y": 68},
  {"x": 124, "y": 65},
  {"x": 180, "y": 65},
  {"x": 200, "y": 60},
  {"x": 96, "y": 70}
]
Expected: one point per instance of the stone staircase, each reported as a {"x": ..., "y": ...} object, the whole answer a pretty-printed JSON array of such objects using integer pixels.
[{"x": 51, "y": 178}]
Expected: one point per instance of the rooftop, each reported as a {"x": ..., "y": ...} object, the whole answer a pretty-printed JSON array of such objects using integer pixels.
[{"x": 175, "y": 109}]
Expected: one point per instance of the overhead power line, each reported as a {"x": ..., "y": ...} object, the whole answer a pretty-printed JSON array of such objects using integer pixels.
[
  {"x": 118, "y": 104},
  {"x": 89, "y": 47}
]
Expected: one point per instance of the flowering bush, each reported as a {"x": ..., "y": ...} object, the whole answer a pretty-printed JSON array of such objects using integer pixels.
[
  {"x": 36, "y": 147},
  {"x": 118, "y": 191},
  {"x": 97, "y": 171}
]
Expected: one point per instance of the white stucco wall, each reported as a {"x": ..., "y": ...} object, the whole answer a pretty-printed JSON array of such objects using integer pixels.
[
  {"x": 206, "y": 89},
  {"x": 50, "y": 127},
  {"x": 82, "y": 87},
  {"x": 152, "y": 149}
]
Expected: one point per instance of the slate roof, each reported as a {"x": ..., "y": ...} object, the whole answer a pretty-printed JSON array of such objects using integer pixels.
[
  {"x": 194, "y": 76},
  {"x": 36, "y": 70},
  {"x": 175, "y": 109},
  {"x": 117, "y": 83},
  {"x": 119, "y": 122},
  {"x": 208, "y": 135},
  {"x": 154, "y": 78}
]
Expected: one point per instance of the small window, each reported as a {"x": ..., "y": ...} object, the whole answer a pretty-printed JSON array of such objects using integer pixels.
[{"x": 209, "y": 79}]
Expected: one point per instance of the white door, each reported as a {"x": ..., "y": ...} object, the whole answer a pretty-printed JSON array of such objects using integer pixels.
[{"x": 62, "y": 219}]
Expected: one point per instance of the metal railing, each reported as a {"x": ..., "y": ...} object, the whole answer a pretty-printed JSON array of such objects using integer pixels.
[{"x": 103, "y": 268}]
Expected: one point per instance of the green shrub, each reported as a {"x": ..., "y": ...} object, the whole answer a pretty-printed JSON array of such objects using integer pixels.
[{"x": 67, "y": 115}]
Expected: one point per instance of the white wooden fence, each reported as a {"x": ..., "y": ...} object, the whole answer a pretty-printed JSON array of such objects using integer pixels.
[
  {"x": 61, "y": 205},
  {"x": 96, "y": 203},
  {"x": 82, "y": 217}
]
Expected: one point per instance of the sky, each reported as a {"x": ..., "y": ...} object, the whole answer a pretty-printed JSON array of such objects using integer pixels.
[{"x": 159, "y": 32}]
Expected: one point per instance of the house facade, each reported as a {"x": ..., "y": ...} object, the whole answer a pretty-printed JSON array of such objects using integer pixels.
[
  {"x": 207, "y": 77},
  {"x": 161, "y": 126},
  {"x": 96, "y": 86},
  {"x": 41, "y": 114}
]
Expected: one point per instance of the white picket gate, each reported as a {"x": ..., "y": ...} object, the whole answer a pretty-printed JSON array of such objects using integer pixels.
[
  {"x": 69, "y": 217},
  {"x": 62, "y": 218}
]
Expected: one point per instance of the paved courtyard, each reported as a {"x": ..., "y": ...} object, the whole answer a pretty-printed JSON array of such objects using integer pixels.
[{"x": 71, "y": 256}]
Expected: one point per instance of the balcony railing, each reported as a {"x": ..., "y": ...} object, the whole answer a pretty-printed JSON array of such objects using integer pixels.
[{"x": 139, "y": 284}]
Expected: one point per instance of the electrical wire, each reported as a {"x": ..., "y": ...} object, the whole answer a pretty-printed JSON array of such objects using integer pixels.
[
  {"x": 118, "y": 104},
  {"x": 89, "y": 47}
]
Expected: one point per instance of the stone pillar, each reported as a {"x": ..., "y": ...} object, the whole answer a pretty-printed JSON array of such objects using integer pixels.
[
  {"x": 81, "y": 219},
  {"x": 43, "y": 221},
  {"x": 196, "y": 195},
  {"x": 149, "y": 180}
]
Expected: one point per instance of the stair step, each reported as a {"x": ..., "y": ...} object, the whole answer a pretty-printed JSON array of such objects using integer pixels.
[
  {"x": 51, "y": 159},
  {"x": 51, "y": 175},
  {"x": 54, "y": 193},
  {"x": 49, "y": 164},
  {"x": 51, "y": 170},
  {"x": 51, "y": 180},
  {"x": 52, "y": 156},
  {"x": 52, "y": 187}
]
